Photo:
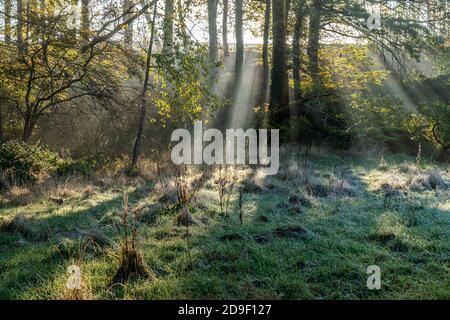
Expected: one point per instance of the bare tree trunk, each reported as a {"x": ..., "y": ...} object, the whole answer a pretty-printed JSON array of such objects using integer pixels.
[
  {"x": 313, "y": 42},
  {"x": 7, "y": 21},
  {"x": 265, "y": 53},
  {"x": 296, "y": 48},
  {"x": 128, "y": 37},
  {"x": 140, "y": 132},
  {"x": 168, "y": 26},
  {"x": 226, "y": 49},
  {"x": 239, "y": 40},
  {"x": 279, "y": 98}
]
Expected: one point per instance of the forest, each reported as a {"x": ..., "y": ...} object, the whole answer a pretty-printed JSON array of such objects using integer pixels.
[{"x": 351, "y": 99}]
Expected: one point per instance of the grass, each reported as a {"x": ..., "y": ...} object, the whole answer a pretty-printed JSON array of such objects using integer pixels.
[{"x": 316, "y": 245}]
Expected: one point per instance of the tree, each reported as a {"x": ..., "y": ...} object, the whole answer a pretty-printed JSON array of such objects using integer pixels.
[
  {"x": 140, "y": 132},
  {"x": 279, "y": 100},
  {"x": 7, "y": 21},
  {"x": 313, "y": 41},
  {"x": 296, "y": 48},
  {"x": 19, "y": 26},
  {"x": 226, "y": 49},
  {"x": 59, "y": 69},
  {"x": 212, "y": 31},
  {"x": 265, "y": 52},
  {"x": 239, "y": 40},
  {"x": 128, "y": 7},
  {"x": 85, "y": 22},
  {"x": 168, "y": 26}
]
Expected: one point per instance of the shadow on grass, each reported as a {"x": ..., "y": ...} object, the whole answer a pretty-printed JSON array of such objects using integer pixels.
[{"x": 25, "y": 266}]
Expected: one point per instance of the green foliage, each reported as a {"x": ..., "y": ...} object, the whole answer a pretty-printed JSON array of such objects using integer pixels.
[
  {"x": 69, "y": 166},
  {"x": 23, "y": 163}
]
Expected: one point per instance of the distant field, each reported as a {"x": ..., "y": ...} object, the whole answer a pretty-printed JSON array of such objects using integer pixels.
[{"x": 309, "y": 232}]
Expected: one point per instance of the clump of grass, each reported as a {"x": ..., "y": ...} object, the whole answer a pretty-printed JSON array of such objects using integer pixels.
[
  {"x": 299, "y": 198},
  {"x": 28, "y": 228},
  {"x": 131, "y": 263},
  {"x": 383, "y": 165},
  {"x": 226, "y": 182},
  {"x": 184, "y": 218},
  {"x": 19, "y": 196},
  {"x": 251, "y": 185},
  {"x": 407, "y": 168},
  {"x": 429, "y": 181}
]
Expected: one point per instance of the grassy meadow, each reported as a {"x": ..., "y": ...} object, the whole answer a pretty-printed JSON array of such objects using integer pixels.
[{"x": 309, "y": 232}]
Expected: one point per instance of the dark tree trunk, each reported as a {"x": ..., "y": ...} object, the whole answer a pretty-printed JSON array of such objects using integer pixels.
[
  {"x": 28, "y": 128},
  {"x": 226, "y": 50},
  {"x": 239, "y": 40},
  {"x": 265, "y": 53},
  {"x": 168, "y": 26},
  {"x": 296, "y": 48},
  {"x": 128, "y": 37},
  {"x": 313, "y": 42},
  {"x": 2, "y": 135},
  {"x": 140, "y": 132},
  {"x": 279, "y": 99},
  {"x": 7, "y": 21}
]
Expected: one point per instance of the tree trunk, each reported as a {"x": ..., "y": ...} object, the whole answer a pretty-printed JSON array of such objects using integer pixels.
[
  {"x": 226, "y": 49},
  {"x": 7, "y": 21},
  {"x": 239, "y": 40},
  {"x": 85, "y": 22},
  {"x": 313, "y": 42},
  {"x": 128, "y": 37},
  {"x": 212, "y": 30},
  {"x": 28, "y": 128},
  {"x": 182, "y": 25},
  {"x": 2, "y": 135},
  {"x": 265, "y": 53},
  {"x": 140, "y": 132},
  {"x": 168, "y": 26},
  {"x": 19, "y": 25},
  {"x": 279, "y": 98},
  {"x": 296, "y": 48}
]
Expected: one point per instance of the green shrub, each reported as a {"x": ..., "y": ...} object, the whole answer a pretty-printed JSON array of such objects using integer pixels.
[
  {"x": 22, "y": 163},
  {"x": 69, "y": 166}
]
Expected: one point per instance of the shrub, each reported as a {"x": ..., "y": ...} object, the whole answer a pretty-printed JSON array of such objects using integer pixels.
[
  {"x": 24, "y": 163},
  {"x": 69, "y": 166}
]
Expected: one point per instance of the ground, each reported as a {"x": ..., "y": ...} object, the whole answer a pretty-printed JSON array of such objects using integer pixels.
[{"x": 309, "y": 232}]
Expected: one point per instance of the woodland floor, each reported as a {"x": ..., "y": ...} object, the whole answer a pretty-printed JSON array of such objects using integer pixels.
[{"x": 301, "y": 238}]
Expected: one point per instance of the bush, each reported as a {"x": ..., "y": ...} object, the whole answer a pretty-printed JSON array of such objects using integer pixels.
[
  {"x": 22, "y": 163},
  {"x": 69, "y": 166}
]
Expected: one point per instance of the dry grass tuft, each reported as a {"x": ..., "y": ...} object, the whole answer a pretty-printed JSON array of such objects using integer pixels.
[
  {"x": 429, "y": 181},
  {"x": 184, "y": 218},
  {"x": 131, "y": 263},
  {"x": 20, "y": 196}
]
